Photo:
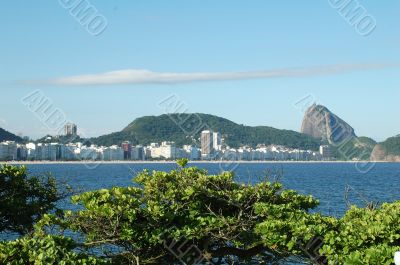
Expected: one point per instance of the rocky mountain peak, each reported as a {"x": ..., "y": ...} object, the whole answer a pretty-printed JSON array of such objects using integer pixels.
[{"x": 320, "y": 122}]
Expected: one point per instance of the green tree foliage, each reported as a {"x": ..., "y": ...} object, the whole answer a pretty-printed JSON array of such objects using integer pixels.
[
  {"x": 391, "y": 146},
  {"x": 42, "y": 249},
  {"x": 63, "y": 139},
  {"x": 362, "y": 236},
  {"x": 23, "y": 199},
  {"x": 184, "y": 128},
  {"x": 365, "y": 236},
  {"x": 213, "y": 214},
  {"x": 294, "y": 231},
  {"x": 186, "y": 215},
  {"x": 182, "y": 162},
  {"x": 358, "y": 148}
]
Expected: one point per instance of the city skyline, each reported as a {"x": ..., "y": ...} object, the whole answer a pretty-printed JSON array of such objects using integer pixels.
[
  {"x": 226, "y": 59},
  {"x": 211, "y": 147}
]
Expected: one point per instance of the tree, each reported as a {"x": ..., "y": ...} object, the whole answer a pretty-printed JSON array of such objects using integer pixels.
[
  {"x": 43, "y": 249},
  {"x": 188, "y": 216},
  {"x": 365, "y": 236},
  {"x": 24, "y": 200},
  {"x": 213, "y": 216}
]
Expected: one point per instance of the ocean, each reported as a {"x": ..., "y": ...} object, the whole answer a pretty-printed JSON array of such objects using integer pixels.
[{"x": 336, "y": 185}]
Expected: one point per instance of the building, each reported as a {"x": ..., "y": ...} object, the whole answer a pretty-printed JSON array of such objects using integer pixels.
[
  {"x": 168, "y": 150},
  {"x": 50, "y": 152},
  {"x": 212, "y": 148},
  {"x": 243, "y": 153},
  {"x": 8, "y": 151},
  {"x": 69, "y": 152},
  {"x": 112, "y": 153},
  {"x": 325, "y": 151},
  {"x": 70, "y": 129},
  {"x": 90, "y": 153},
  {"x": 138, "y": 153},
  {"x": 217, "y": 141},
  {"x": 30, "y": 149},
  {"x": 22, "y": 152},
  {"x": 147, "y": 152},
  {"x": 192, "y": 152},
  {"x": 127, "y": 147},
  {"x": 230, "y": 155},
  {"x": 206, "y": 141}
]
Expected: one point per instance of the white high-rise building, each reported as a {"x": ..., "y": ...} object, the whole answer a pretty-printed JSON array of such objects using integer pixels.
[{"x": 217, "y": 141}]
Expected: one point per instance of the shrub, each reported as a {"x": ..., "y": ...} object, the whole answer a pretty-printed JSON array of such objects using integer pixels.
[{"x": 24, "y": 199}]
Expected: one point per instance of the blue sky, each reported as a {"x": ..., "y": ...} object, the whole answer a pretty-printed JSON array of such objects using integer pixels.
[{"x": 42, "y": 42}]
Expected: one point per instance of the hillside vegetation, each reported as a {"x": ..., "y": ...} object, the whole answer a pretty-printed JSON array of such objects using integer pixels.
[
  {"x": 389, "y": 150},
  {"x": 391, "y": 146},
  {"x": 7, "y": 136},
  {"x": 357, "y": 148},
  {"x": 186, "y": 128}
]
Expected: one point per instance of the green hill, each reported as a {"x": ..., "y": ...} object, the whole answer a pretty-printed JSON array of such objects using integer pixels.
[
  {"x": 388, "y": 150},
  {"x": 356, "y": 148},
  {"x": 7, "y": 136},
  {"x": 391, "y": 146},
  {"x": 186, "y": 128},
  {"x": 61, "y": 139}
]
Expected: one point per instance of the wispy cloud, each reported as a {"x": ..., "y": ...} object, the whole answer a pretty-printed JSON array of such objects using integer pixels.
[{"x": 137, "y": 76}]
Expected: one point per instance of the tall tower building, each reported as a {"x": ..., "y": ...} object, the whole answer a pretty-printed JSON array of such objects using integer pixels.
[
  {"x": 127, "y": 147},
  {"x": 217, "y": 140},
  {"x": 70, "y": 129},
  {"x": 206, "y": 140}
]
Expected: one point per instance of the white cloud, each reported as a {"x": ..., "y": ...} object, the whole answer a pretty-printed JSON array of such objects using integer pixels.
[{"x": 137, "y": 76}]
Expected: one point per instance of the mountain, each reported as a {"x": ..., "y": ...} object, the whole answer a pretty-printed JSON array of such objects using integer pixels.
[
  {"x": 389, "y": 150},
  {"x": 185, "y": 129},
  {"x": 7, "y": 136},
  {"x": 320, "y": 122}
]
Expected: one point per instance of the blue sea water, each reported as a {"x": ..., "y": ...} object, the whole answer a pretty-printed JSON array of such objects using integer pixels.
[{"x": 336, "y": 185}]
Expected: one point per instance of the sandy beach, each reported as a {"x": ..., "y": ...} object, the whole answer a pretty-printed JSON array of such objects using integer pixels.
[{"x": 173, "y": 162}]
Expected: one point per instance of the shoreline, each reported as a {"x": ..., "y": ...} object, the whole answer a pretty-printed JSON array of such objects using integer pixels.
[{"x": 190, "y": 162}]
